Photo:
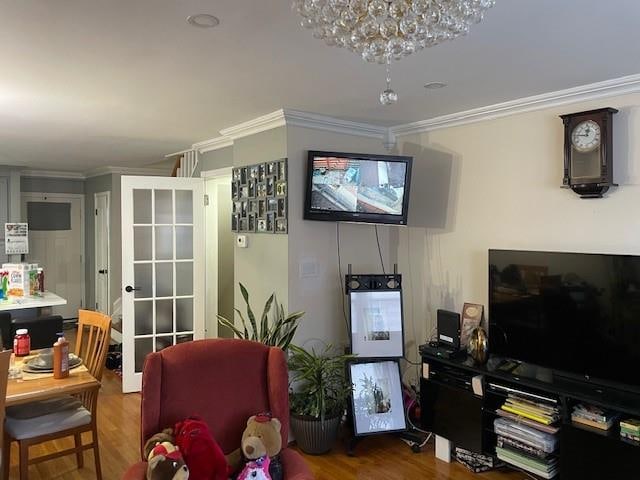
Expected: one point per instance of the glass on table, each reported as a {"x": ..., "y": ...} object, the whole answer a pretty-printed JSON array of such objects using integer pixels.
[{"x": 15, "y": 371}]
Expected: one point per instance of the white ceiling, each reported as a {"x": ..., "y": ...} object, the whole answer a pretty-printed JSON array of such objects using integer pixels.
[{"x": 85, "y": 83}]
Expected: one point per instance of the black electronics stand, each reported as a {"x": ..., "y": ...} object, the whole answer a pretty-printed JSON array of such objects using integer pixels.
[{"x": 392, "y": 281}]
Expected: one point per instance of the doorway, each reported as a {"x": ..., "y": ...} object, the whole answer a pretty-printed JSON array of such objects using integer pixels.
[
  {"x": 220, "y": 245},
  {"x": 102, "y": 202},
  {"x": 56, "y": 243}
]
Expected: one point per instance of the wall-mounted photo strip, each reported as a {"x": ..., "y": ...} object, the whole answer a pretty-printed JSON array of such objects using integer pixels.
[
  {"x": 377, "y": 397},
  {"x": 259, "y": 194}
]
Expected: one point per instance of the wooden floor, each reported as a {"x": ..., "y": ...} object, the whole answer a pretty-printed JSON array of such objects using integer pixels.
[{"x": 380, "y": 458}]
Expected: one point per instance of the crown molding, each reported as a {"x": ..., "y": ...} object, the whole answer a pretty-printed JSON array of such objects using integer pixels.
[
  {"x": 287, "y": 117},
  {"x": 157, "y": 172},
  {"x": 330, "y": 124},
  {"x": 212, "y": 144},
  {"x": 583, "y": 93},
  {"x": 52, "y": 174},
  {"x": 261, "y": 124}
]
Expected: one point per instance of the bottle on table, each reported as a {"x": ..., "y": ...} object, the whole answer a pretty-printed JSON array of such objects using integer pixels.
[
  {"x": 61, "y": 357},
  {"x": 22, "y": 343}
]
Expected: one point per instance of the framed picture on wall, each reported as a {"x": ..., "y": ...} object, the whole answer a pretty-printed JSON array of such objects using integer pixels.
[
  {"x": 377, "y": 397},
  {"x": 376, "y": 323}
]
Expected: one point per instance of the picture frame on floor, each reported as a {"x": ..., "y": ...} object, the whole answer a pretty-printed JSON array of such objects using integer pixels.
[{"x": 377, "y": 397}]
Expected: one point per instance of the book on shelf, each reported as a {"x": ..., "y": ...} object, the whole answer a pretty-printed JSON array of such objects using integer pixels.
[
  {"x": 525, "y": 421},
  {"x": 628, "y": 436},
  {"x": 631, "y": 425},
  {"x": 591, "y": 423},
  {"x": 540, "y": 418},
  {"x": 546, "y": 471},
  {"x": 593, "y": 413}
]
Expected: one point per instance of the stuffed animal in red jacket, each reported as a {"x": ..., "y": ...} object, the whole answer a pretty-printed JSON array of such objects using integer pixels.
[{"x": 201, "y": 452}]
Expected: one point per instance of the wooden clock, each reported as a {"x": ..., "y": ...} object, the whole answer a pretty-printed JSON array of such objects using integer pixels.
[{"x": 588, "y": 152}]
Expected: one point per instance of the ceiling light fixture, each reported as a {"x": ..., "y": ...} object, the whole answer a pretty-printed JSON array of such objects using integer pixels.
[
  {"x": 383, "y": 30},
  {"x": 203, "y": 20},
  {"x": 435, "y": 85}
]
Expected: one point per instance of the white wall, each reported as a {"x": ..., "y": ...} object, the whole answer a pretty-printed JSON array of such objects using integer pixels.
[
  {"x": 315, "y": 242},
  {"x": 496, "y": 184}
]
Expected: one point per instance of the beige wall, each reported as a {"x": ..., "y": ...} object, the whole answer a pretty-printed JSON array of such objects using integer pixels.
[
  {"x": 314, "y": 242},
  {"x": 496, "y": 184},
  {"x": 214, "y": 160},
  {"x": 262, "y": 267}
]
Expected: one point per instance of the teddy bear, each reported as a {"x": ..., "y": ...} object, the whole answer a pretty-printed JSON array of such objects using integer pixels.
[
  {"x": 261, "y": 439},
  {"x": 165, "y": 462}
]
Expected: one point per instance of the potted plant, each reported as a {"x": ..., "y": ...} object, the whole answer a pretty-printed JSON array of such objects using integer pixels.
[
  {"x": 318, "y": 397},
  {"x": 277, "y": 333}
]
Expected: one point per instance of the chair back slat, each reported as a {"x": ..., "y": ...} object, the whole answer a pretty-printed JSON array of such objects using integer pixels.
[{"x": 92, "y": 342}]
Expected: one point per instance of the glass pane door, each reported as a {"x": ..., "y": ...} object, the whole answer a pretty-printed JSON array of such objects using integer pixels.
[{"x": 163, "y": 269}]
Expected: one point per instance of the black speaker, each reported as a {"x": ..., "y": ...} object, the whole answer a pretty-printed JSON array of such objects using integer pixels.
[
  {"x": 391, "y": 281},
  {"x": 448, "y": 329}
]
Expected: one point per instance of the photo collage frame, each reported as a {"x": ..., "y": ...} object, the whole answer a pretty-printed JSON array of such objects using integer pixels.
[{"x": 260, "y": 198}]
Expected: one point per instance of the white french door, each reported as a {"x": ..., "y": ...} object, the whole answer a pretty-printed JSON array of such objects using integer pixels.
[{"x": 163, "y": 263}]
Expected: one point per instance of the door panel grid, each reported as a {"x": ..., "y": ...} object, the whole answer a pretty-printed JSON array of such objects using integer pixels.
[
  {"x": 165, "y": 266},
  {"x": 172, "y": 279}
]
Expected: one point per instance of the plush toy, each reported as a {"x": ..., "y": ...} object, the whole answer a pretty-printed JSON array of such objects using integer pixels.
[
  {"x": 256, "y": 470},
  {"x": 165, "y": 436},
  {"x": 261, "y": 438},
  {"x": 165, "y": 462},
  {"x": 201, "y": 452}
]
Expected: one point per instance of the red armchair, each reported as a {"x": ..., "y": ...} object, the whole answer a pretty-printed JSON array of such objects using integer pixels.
[{"x": 223, "y": 381}]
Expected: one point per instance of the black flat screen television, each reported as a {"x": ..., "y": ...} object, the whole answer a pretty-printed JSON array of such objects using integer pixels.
[
  {"x": 353, "y": 187},
  {"x": 575, "y": 313}
]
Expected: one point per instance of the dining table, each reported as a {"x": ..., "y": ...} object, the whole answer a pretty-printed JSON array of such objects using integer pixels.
[{"x": 30, "y": 387}]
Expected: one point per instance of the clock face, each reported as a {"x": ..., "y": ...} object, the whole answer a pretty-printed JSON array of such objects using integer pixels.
[{"x": 586, "y": 136}]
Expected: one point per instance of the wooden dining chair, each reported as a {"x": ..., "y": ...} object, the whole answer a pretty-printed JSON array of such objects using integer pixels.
[
  {"x": 5, "y": 358},
  {"x": 68, "y": 417}
]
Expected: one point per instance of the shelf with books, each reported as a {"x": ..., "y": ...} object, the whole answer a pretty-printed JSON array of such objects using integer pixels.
[{"x": 526, "y": 427}]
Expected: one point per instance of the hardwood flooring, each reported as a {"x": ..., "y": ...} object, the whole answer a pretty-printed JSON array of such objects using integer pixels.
[{"x": 378, "y": 458}]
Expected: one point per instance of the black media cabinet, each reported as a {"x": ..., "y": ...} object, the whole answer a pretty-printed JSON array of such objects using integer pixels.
[{"x": 451, "y": 410}]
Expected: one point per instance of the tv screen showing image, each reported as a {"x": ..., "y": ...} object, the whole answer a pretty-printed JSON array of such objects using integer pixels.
[{"x": 357, "y": 187}]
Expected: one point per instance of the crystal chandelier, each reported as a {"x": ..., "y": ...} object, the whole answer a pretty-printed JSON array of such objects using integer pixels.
[{"x": 382, "y": 30}]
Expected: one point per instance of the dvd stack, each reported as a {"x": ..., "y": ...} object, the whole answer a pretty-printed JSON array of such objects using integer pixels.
[
  {"x": 592, "y": 416},
  {"x": 527, "y": 435},
  {"x": 630, "y": 429},
  {"x": 476, "y": 462}
]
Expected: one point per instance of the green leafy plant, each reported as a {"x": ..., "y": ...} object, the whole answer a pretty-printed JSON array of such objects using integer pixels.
[
  {"x": 321, "y": 387},
  {"x": 277, "y": 333}
]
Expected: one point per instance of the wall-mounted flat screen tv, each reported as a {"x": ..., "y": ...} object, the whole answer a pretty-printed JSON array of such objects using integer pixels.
[
  {"x": 575, "y": 313},
  {"x": 351, "y": 187}
]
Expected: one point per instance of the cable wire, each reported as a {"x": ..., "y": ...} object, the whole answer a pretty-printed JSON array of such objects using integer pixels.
[
  {"x": 379, "y": 250},
  {"x": 340, "y": 279}
]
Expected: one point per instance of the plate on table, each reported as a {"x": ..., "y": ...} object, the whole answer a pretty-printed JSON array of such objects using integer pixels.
[{"x": 43, "y": 362}]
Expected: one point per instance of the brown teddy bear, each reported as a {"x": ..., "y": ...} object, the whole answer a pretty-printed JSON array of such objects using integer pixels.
[{"x": 261, "y": 438}]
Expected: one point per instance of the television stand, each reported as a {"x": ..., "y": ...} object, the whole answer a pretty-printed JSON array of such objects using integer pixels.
[{"x": 451, "y": 409}]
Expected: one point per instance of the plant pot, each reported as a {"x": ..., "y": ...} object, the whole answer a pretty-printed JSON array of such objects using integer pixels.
[{"x": 315, "y": 436}]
